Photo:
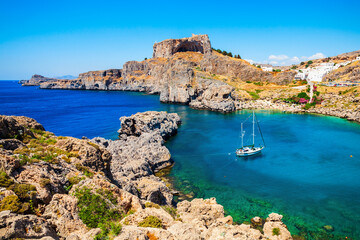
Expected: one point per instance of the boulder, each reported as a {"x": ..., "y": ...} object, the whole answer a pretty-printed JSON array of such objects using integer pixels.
[
  {"x": 62, "y": 212},
  {"x": 24, "y": 226}
]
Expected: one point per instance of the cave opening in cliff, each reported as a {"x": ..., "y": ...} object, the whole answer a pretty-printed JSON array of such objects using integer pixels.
[{"x": 189, "y": 47}]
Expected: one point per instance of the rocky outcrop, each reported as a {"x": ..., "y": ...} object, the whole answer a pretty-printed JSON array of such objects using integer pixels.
[
  {"x": 53, "y": 178},
  {"x": 349, "y": 73},
  {"x": 36, "y": 80},
  {"x": 162, "y": 123},
  {"x": 16, "y": 226},
  {"x": 241, "y": 69},
  {"x": 182, "y": 71},
  {"x": 139, "y": 153},
  {"x": 196, "y": 43},
  {"x": 17, "y": 127}
]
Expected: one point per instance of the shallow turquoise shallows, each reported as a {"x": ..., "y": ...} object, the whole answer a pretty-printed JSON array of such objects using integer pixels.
[{"x": 309, "y": 170}]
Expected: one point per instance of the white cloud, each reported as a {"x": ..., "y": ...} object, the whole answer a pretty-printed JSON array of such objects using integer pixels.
[
  {"x": 250, "y": 61},
  {"x": 285, "y": 60},
  {"x": 278, "y": 57}
]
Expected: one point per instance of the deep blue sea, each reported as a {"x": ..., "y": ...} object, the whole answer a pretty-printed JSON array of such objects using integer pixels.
[{"x": 309, "y": 170}]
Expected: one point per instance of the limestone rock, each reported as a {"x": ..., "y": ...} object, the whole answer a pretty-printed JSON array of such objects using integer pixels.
[
  {"x": 196, "y": 43},
  {"x": 126, "y": 201},
  {"x": 154, "y": 190},
  {"x": 11, "y": 144},
  {"x": 185, "y": 231},
  {"x": 274, "y": 221},
  {"x": 151, "y": 121},
  {"x": 17, "y": 126},
  {"x": 47, "y": 178},
  {"x": 24, "y": 226},
  {"x": 90, "y": 155},
  {"x": 140, "y": 215},
  {"x": 206, "y": 211},
  {"x": 62, "y": 212}
]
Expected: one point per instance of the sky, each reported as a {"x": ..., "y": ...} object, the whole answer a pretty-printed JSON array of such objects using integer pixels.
[{"x": 56, "y": 38}]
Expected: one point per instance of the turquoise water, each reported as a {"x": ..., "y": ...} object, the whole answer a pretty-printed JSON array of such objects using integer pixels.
[{"x": 305, "y": 173}]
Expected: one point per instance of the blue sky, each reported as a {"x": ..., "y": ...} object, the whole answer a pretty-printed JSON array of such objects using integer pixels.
[{"x": 56, "y": 38}]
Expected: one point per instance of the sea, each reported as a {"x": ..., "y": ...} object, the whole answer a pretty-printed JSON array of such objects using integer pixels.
[{"x": 309, "y": 171}]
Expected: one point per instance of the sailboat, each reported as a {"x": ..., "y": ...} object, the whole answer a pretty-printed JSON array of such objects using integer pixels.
[{"x": 250, "y": 149}]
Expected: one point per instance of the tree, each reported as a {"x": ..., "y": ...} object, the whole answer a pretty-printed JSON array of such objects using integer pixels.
[
  {"x": 310, "y": 62},
  {"x": 302, "y": 63},
  {"x": 145, "y": 58},
  {"x": 230, "y": 54}
]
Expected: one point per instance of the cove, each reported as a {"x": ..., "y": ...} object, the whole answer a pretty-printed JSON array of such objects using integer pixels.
[{"x": 306, "y": 173}]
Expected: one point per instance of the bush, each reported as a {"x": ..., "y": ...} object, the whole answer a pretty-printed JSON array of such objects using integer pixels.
[
  {"x": 275, "y": 231},
  {"x": 25, "y": 192},
  {"x": 171, "y": 210},
  {"x": 95, "y": 210},
  {"x": 151, "y": 205},
  {"x": 13, "y": 204},
  {"x": 85, "y": 170},
  {"x": 151, "y": 221},
  {"x": 108, "y": 230},
  {"x": 5, "y": 180},
  {"x": 75, "y": 180},
  {"x": 309, "y": 105},
  {"x": 303, "y": 95}
]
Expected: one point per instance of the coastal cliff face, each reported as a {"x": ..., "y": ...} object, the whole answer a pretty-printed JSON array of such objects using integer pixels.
[
  {"x": 36, "y": 80},
  {"x": 182, "y": 71},
  {"x": 196, "y": 43},
  {"x": 67, "y": 188}
]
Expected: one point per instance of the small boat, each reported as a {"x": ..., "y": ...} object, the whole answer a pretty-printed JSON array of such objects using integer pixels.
[{"x": 249, "y": 150}]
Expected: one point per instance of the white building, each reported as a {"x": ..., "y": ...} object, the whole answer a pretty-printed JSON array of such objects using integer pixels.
[
  {"x": 300, "y": 76},
  {"x": 267, "y": 69}
]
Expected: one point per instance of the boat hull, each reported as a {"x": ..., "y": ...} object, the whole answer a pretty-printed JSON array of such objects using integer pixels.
[{"x": 241, "y": 153}]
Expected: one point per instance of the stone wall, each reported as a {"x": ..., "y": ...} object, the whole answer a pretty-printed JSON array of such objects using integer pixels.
[{"x": 196, "y": 43}]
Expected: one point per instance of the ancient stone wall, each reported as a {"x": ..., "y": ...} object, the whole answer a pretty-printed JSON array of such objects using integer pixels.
[{"x": 196, "y": 43}]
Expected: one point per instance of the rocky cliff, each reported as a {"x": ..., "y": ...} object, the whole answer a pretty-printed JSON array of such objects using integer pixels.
[
  {"x": 183, "y": 71},
  {"x": 196, "y": 43},
  {"x": 36, "y": 80},
  {"x": 349, "y": 73},
  {"x": 67, "y": 188}
]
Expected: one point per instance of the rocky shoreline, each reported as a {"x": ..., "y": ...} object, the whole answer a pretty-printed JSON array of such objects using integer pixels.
[
  {"x": 67, "y": 188},
  {"x": 188, "y": 71}
]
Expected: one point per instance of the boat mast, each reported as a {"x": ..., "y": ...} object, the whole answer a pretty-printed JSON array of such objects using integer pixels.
[
  {"x": 253, "y": 128},
  {"x": 242, "y": 136}
]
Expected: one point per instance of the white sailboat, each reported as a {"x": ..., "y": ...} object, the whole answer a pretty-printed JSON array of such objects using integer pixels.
[{"x": 250, "y": 149}]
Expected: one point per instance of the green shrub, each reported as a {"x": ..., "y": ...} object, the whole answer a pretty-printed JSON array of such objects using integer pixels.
[
  {"x": 303, "y": 95},
  {"x": 95, "y": 210},
  {"x": 108, "y": 231},
  {"x": 171, "y": 210},
  {"x": 24, "y": 191},
  {"x": 108, "y": 195},
  {"x": 254, "y": 95},
  {"x": 275, "y": 231},
  {"x": 5, "y": 180},
  {"x": 151, "y": 205},
  {"x": 13, "y": 204},
  {"x": 151, "y": 221},
  {"x": 75, "y": 180},
  {"x": 94, "y": 145},
  {"x": 85, "y": 170},
  {"x": 309, "y": 105}
]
